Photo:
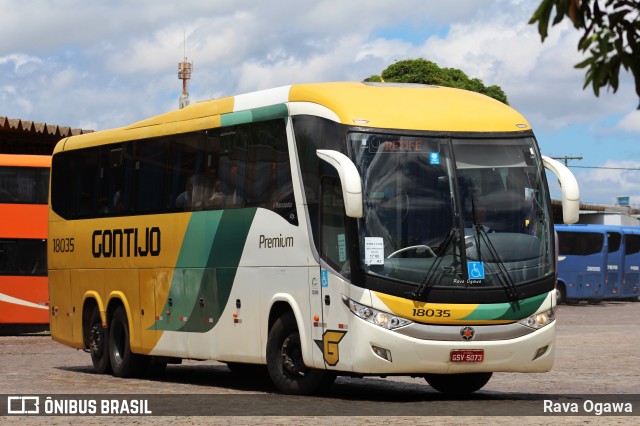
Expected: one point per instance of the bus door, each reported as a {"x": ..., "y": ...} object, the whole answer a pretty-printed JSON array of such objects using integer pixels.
[
  {"x": 615, "y": 264},
  {"x": 582, "y": 262},
  {"x": 631, "y": 279},
  {"x": 334, "y": 272},
  {"x": 593, "y": 265}
]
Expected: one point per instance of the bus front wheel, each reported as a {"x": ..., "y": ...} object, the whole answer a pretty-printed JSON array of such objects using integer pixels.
[
  {"x": 458, "y": 384},
  {"x": 98, "y": 343},
  {"x": 124, "y": 363},
  {"x": 561, "y": 294},
  {"x": 285, "y": 364}
]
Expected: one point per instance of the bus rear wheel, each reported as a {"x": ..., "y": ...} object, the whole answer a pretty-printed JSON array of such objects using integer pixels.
[
  {"x": 285, "y": 364},
  {"x": 458, "y": 384},
  {"x": 98, "y": 340},
  {"x": 124, "y": 363}
]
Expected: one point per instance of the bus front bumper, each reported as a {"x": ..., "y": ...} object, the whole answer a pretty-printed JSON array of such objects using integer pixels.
[{"x": 375, "y": 350}]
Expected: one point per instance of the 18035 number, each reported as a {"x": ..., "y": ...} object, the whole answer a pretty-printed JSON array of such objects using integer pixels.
[
  {"x": 436, "y": 313},
  {"x": 63, "y": 245}
]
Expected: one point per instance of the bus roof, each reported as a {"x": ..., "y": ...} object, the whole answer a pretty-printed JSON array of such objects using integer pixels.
[
  {"x": 375, "y": 105},
  {"x": 24, "y": 160}
]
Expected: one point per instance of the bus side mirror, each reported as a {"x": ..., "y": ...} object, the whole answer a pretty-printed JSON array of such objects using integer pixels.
[
  {"x": 349, "y": 180},
  {"x": 570, "y": 190}
]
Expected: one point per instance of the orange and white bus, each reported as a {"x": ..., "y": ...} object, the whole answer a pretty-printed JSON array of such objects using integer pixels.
[{"x": 24, "y": 190}]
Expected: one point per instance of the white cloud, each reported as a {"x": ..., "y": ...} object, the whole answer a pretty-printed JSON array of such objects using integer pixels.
[
  {"x": 125, "y": 54},
  {"x": 630, "y": 123},
  {"x": 539, "y": 78},
  {"x": 20, "y": 61},
  {"x": 615, "y": 178},
  {"x": 24, "y": 104}
]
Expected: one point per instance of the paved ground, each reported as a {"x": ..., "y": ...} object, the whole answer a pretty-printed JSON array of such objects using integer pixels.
[{"x": 596, "y": 354}]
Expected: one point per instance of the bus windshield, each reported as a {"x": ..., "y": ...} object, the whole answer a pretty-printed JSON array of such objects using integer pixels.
[{"x": 452, "y": 212}]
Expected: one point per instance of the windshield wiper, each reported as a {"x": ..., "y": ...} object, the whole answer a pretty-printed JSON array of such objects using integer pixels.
[
  {"x": 428, "y": 281},
  {"x": 503, "y": 275}
]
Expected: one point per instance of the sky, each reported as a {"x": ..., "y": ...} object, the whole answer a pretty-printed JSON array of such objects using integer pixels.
[{"x": 101, "y": 64}]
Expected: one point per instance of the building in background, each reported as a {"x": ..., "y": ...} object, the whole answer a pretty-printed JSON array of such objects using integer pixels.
[{"x": 19, "y": 136}]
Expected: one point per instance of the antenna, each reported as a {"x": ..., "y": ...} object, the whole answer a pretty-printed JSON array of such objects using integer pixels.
[{"x": 184, "y": 74}]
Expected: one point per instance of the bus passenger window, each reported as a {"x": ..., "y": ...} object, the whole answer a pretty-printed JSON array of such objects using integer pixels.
[{"x": 183, "y": 201}]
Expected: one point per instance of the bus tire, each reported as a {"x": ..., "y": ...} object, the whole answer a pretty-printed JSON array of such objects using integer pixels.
[
  {"x": 124, "y": 363},
  {"x": 98, "y": 341},
  {"x": 458, "y": 384},
  {"x": 285, "y": 364},
  {"x": 561, "y": 294}
]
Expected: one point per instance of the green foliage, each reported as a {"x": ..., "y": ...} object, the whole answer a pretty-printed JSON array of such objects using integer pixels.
[
  {"x": 426, "y": 72},
  {"x": 611, "y": 36},
  {"x": 374, "y": 78}
]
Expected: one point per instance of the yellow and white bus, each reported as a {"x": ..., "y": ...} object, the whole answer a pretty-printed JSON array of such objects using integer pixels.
[{"x": 318, "y": 229}]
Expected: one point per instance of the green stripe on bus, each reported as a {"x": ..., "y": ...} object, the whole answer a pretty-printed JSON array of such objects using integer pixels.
[
  {"x": 222, "y": 266},
  {"x": 524, "y": 308},
  {"x": 196, "y": 245},
  {"x": 507, "y": 311},
  {"x": 206, "y": 269},
  {"x": 252, "y": 115}
]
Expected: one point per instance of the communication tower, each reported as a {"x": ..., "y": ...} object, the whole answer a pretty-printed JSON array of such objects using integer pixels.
[{"x": 184, "y": 74}]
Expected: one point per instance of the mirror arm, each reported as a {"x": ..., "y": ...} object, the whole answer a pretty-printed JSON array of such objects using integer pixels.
[
  {"x": 570, "y": 189},
  {"x": 349, "y": 179}
]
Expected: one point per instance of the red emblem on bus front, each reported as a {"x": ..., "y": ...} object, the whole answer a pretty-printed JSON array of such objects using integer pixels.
[{"x": 467, "y": 333}]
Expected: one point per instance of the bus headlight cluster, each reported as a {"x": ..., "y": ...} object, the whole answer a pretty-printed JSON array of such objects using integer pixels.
[
  {"x": 374, "y": 316},
  {"x": 539, "y": 320}
]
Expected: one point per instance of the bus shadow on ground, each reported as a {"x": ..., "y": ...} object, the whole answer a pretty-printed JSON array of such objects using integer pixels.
[{"x": 366, "y": 389}]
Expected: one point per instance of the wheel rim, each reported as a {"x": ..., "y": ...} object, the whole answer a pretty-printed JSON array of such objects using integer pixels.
[
  {"x": 96, "y": 341},
  {"x": 292, "y": 363}
]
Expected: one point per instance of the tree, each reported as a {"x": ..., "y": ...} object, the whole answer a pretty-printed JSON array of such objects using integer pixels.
[
  {"x": 426, "y": 72},
  {"x": 611, "y": 35}
]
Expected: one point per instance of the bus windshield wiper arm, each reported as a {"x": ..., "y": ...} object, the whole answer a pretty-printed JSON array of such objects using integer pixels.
[
  {"x": 503, "y": 275},
  {"x": 427, "y": 281}
]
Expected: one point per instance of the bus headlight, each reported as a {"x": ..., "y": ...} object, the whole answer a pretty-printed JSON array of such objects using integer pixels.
[
  {"x": 374, "y": 316},
  {"x": 539, "y": 320}
]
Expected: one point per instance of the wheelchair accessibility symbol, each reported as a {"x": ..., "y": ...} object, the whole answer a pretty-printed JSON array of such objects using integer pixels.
[
  {"x": 476, "y": 270},
  {"x": 434, "y": 158}
]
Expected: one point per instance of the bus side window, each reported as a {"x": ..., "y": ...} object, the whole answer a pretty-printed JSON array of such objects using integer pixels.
[
  {"x": 111, "y": 181},
  {"x": 269, "y": 183},
  {"x": 148, "y": 176},
  {"x": 88, "y": 164},
  {"x": 63, "y": 184},
  {"x": 183, "y": 190},
  {"x": 234, "y": 143}
]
